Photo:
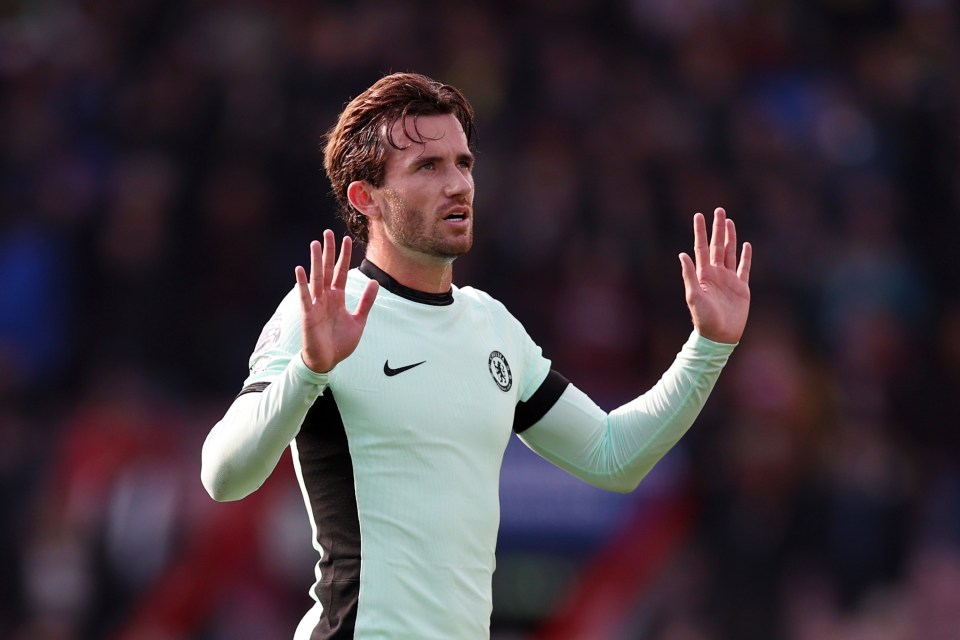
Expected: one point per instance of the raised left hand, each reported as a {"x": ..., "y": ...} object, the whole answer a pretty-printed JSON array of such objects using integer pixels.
[{"x": 717, "y": 289}]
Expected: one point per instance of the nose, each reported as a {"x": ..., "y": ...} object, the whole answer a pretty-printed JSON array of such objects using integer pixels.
[{"x": 458, "y": 183}]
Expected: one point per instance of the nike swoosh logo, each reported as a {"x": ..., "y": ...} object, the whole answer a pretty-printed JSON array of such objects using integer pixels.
[{"x": 392, "y": 372}]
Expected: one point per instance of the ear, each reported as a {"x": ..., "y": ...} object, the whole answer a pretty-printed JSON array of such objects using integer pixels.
[{"x": 360, "y": 195}]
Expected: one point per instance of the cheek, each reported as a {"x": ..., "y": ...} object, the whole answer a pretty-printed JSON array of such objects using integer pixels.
[{"x": 392, "y": 203}]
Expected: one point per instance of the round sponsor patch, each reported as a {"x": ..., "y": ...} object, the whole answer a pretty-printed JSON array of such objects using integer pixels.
[{"x": 500, "y": 370}]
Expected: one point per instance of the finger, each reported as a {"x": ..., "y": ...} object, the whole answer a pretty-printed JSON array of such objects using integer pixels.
[
  {"x": 306, "y": 299},
  {"x": 730, "y": 246},
  {"x": 700, "y": 239},
  {"x": 746, "y": 259},
  {"x": 718, "y": 236},
  {"x": 329, "y": 253},
  {"x": 366, "y": 300},
  {"x": 343, "y": 264},
  {"x": 689, "y": 272},
  {"x": 314, "y": 268}
]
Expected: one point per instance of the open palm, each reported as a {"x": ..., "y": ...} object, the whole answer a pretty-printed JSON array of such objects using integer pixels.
[
  {"x": 717, "y": 289},
  {"x": 330, "y": 332}
]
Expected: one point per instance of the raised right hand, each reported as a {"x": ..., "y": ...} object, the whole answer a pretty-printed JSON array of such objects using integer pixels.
[{"x": 330, "y": 332}]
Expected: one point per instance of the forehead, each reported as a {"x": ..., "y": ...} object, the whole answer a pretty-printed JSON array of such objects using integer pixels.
[{"x": 431, "y": 135}]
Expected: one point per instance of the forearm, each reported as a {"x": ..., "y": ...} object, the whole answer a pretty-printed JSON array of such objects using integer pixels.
[
  {"x": 615, "y": 451},
  {"x": 244, "y": 447}
]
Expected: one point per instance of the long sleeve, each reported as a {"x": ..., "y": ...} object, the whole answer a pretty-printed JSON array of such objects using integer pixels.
[
  {"x": 616, "y": 450},
  {"x": 244, "y": 447}
]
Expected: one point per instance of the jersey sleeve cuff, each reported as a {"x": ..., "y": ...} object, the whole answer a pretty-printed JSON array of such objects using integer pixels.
[
  {"x": 706, "y": 346},
  {"x": 307, "y": 374}
]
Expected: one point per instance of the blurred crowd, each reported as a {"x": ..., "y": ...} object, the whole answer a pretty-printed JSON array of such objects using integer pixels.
[{"x": 161, "y": 176}]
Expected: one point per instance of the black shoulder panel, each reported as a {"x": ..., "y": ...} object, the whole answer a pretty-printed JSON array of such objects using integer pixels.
[
  {"x": 256, "y": 387},
  {"x": 529, "y": 413}
]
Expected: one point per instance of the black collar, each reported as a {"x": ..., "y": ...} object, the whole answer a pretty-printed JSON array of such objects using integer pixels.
[{"x": 386, "y": 281}]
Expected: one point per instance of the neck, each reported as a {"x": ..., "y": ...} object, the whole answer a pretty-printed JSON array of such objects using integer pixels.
[{"x": 416, "y": 271}]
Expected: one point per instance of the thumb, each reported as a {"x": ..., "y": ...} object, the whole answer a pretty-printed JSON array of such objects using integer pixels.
[
  {"x": 366, "y": 300},
  {"x": 689, "y": 273}
]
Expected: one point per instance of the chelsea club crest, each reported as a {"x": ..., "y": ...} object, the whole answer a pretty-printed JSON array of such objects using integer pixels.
[{"x": 500, "y": 370}]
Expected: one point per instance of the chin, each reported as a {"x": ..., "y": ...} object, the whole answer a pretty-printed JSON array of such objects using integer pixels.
[
  {"x": 462, "y": 247},
  {"x": 455, "y": 247}
]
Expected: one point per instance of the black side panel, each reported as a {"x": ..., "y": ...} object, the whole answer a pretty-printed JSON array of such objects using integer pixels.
[{"x": 328, "y": 475}]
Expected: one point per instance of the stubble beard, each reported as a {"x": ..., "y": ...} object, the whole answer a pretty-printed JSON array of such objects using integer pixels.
[{"x": 411, "y": 229}]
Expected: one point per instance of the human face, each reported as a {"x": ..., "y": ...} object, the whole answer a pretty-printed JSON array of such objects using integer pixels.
[{"x": 426, "y": 198}]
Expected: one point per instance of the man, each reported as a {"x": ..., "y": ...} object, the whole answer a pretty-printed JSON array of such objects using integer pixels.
[{"x": 397, "y": 391}]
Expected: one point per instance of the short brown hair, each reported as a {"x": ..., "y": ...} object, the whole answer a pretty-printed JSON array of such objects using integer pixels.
[{"x": 356, "y": 146}]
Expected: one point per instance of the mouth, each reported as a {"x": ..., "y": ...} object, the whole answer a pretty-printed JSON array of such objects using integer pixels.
[{"x": 458, "y": 214}]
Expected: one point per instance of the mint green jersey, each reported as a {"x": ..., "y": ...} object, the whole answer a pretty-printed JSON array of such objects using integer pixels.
[{"x": 399, "y": 458}]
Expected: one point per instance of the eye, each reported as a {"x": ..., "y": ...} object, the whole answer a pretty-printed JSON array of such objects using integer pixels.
[
  {"x": 466, "y": 164},
  {"x": 427, "y": 166}
]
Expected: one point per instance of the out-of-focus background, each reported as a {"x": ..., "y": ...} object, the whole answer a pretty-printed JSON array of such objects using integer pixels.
[{"x": 160, "y": 177}]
